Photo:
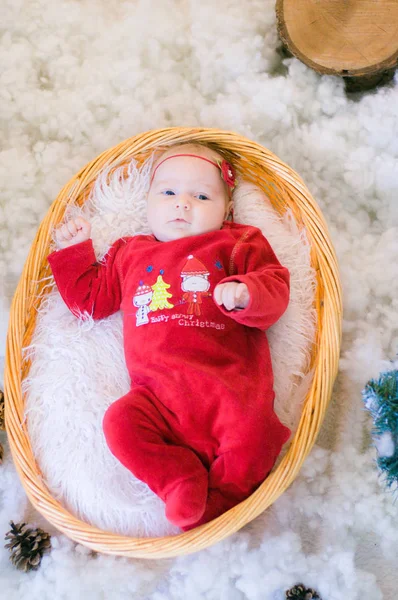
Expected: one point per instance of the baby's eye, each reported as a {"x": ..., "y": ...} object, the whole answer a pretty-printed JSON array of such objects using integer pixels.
[
  {"x": 168, "y": 193},
  {"x": 203, "y": 197}
]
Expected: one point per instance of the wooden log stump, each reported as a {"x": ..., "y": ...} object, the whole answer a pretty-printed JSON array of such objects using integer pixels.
[{"x": 353, "y": 39}]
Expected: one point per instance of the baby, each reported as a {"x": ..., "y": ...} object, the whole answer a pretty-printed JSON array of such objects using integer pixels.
[{"x": 198, "y": 424}]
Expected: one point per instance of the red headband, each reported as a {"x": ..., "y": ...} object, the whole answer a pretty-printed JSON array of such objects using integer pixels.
[{"x": 227, "y": 171}]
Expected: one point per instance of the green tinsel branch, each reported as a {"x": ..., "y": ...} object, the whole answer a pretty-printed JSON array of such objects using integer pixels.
[{"x": 381, "y": 400}]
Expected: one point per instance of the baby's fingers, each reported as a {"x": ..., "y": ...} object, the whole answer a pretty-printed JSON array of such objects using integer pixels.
[
  {"x": 224, "y": 294},
  {"x": 218, "y": 293},
  {"x": 228, "y": 296},
  {"x": 242, "y": 296},
  {"x": 71, "y": 227},
  {"x": 62, "y": 233},
  {"x": 83, "y": 226}
]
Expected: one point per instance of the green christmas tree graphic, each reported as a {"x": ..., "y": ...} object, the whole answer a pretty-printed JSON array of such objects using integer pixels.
[{"x": 160, "y": 295}]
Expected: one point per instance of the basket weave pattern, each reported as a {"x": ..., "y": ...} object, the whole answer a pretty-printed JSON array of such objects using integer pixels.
[{"x": 285, "y": 190}]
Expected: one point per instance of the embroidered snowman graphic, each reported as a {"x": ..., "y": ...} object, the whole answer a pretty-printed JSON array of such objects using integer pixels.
[
  {"x": 142, "y": 298},
  {"x": 195, "y": 284}
]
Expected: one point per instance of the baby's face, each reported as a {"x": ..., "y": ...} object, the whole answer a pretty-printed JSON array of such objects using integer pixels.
[{"x": 187, "y": 197}]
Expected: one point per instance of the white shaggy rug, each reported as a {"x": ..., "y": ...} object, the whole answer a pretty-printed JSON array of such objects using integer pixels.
[{"x": 77, "y": 78}]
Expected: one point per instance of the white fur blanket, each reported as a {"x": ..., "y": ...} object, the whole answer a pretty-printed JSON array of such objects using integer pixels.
[{"x": 77, "y": 78}]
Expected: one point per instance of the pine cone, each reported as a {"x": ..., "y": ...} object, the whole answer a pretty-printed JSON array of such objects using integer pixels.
[
  {"x": 1, "y": 453},
  {"x": 27, "y": 546},
  {"x": 300, "y": 592},
  {"x": 2, "y": 425}
]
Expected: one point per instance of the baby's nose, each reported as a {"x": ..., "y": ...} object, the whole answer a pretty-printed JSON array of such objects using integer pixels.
[{"x": 183, "y": 202}]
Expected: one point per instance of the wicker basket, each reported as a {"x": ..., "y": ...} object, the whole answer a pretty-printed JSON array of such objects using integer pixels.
[{"x": 286, "y": 190}]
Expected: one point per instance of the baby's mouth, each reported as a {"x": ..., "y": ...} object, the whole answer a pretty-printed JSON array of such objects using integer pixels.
[{"x": 178, "y": 220}]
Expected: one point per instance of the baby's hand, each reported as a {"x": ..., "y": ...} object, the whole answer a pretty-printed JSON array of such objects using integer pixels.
[
  {"x": 72, "y": 232},
  {"x": 232, "y": 295}
]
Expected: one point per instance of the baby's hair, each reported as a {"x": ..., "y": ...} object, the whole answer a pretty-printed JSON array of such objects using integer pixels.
[{"x": 187, "y": 147}]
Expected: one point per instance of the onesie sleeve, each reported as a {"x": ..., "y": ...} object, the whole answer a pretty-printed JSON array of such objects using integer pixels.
[
  {"x": 255, "y": 264},
  {"x": 85, "y": 284}
]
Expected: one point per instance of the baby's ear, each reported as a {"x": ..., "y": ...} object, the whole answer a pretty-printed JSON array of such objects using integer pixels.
[{"x": 229, "y": 211}]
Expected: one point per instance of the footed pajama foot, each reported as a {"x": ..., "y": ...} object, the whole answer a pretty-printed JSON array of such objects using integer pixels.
[
  {"x": 216, "y": 505},
  {"x": 186, "y": 502}
]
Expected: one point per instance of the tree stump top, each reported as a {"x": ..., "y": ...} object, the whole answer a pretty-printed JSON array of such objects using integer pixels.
[{"x": 341, "y": 37}]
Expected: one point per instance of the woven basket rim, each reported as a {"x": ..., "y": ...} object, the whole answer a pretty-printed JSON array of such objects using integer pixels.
[{"x": 261, "y": 162}]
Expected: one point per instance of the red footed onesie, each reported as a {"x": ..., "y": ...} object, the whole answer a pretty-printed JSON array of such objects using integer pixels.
[{"x": 198, "y": 424}]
